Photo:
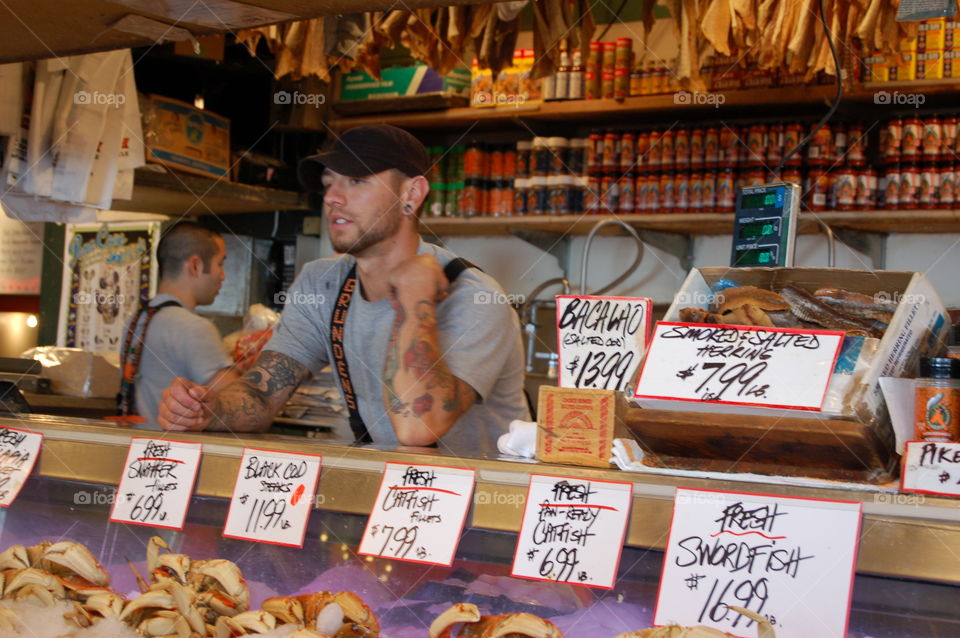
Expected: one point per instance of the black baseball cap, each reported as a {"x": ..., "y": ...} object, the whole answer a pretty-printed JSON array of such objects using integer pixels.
[{"x": 366, "y": 150}]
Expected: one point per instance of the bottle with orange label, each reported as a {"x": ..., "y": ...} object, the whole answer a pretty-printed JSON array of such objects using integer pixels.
[{"x": 937, "y": 400}]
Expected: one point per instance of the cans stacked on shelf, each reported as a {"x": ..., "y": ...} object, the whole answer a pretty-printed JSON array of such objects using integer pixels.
[
  {"x": 472, "y": 179},
  {"x": 919, "y": 162}
]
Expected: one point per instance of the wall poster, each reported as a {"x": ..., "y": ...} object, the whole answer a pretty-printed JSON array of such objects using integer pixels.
[{"x": 109, "y": 270}]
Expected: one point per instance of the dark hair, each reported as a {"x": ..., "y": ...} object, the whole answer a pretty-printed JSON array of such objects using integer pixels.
[{"x": 182, "y": 241}]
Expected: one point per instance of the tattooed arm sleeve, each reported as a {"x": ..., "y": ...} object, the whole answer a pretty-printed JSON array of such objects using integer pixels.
[
  {"x": 250, "y": 403},
  {"x": 423, "y": 398}
]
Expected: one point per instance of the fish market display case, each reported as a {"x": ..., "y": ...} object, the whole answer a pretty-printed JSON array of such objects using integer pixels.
[{"x": 908, "y": 568}]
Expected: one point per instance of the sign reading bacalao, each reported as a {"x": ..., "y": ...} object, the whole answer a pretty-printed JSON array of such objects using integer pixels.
[{"x": 745, "y": 365}]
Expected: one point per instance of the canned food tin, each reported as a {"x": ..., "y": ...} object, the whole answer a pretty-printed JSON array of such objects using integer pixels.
[
  {"x": 606, "y": 84},
  {"x": 642, "y": 149},
  {"x": 792, "y": 135},
  {"x": 708, "y": 188},
  {"x": 628, "y": 193},
  {"x": 725, "y": 191},
  {"x": 667, "y": 192},
  {"x": 621, "y": 82},
  {"x": 636, "y": 82},
  {"x": 756, "y": 144},
  {"x": 949, "y": 142},
  {"x": 856, "y": 145},
  {"x": 628, "y": 152},
  {"x": 845, "y": 188},
  {"x": 891, "y": 187},
  {"x": 818, "y": 187},
  {"x": 653, "y": 194},
  {"x": 932, "y": 138},
  {"x": 729, "y": 149},
  {"x": 611, "y": 152},
  {"x": 591, "y": 196},
  {"x": 891, "y": 140},
  {"x": 908, "y": 197},
  {"x": 668, "y": 149},
  {"x": 609, "y": 195},
  {"x": 711, "y": 147},
  {"x": 696, "y": 192},
  {"x": 912, "y": 138},
  {"x": 682, "y": 149},
  {"x": 866, "y": 198},
  {"x": 594, "y": 152},
  {"x": 948, "y": 186},
  {"x": 820, "y": 147},
  {"x": 775, "y": 135},
  {"x": 681, "y": 192},
  {"x": 929, "y": 190},
  {"x": 523, "y": 158},
  {"x": 655, "y": 152},
  {"x": 542, "y": 157},
  {"x": 696, "y": 148},
  {"x": 473, "y": 161},
  {"x": 496, "y": 163}
]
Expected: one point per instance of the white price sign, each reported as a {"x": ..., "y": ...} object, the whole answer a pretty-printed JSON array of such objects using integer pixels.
[
  {"x": 158, "y": 478},
  {"x": 273, "y": 497},
  {"x": 419, "y": 513},
  {"x": 788, "y": 559},
  {"x": 743, "y": 365},
  {"x": 601, "y": 340},
  {"x": 931, "y": 467},
  {"x": 572, "y": 531},
  {"x": 18, "y": 454}
]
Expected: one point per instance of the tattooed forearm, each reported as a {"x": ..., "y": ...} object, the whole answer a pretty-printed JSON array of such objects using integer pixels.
[
  {"x": 423, "y": 397},
  {"x": 250, "y": 403}
]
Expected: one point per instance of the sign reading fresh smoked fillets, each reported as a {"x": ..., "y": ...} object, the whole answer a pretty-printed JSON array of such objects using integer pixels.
[
  {"x": 601, "y": 340},
  {"x": 771, "y": 367}
]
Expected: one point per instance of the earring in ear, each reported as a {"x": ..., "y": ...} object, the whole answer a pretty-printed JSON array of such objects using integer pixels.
[{"x": 407, "y": 207}]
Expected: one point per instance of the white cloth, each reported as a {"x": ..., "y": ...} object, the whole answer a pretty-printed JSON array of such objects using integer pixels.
[{"x": 521, "y": 440}]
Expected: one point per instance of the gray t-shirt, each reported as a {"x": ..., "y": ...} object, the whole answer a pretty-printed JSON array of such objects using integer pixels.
[
  {"x": 179, "y": 343},
  {"x": 479, "y": 337}
]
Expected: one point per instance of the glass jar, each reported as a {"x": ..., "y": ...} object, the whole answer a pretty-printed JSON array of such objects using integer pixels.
[{"x": 937, "y": 400}]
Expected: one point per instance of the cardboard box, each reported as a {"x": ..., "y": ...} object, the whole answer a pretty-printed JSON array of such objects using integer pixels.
[
  {"x": 951, "y": 65},
  {"x": 186, "y": 138},
  {"x": 918, "y": 328},
  {"x": 930, "y": 65},
  {"x": 876, "y": 68},
  {"x": 403, "y": 81},
  {"x": 76, "y": 372},
  {"x": 903, "y": 67},
  {"x": 578, "y": 426},
  {"x": 930, "y": 35}
]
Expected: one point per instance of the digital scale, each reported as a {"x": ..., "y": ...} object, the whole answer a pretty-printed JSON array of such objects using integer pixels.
[{"x": 765, "y": 225}]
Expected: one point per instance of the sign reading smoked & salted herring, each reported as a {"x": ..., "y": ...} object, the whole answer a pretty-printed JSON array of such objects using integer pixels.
[
  {"x": 601, "y": 340},
  {"x": 743, "y": 365},
  {"x": 273, "y": 497},
  {"x": 573, "y": 531},
  {"x": 419, "y": 513},
  {"x": 18, "y": 454},
  {"x": 157, "y": 482},
  {"x": 790, "y": 560},
  {"x": 932, "y": 467}
]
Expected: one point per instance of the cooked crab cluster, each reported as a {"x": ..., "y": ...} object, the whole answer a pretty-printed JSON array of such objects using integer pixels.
[{"x": 184, "y": 598}]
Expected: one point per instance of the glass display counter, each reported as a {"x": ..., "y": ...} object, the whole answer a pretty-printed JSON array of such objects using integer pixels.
[{"x": 906, "y": 585}]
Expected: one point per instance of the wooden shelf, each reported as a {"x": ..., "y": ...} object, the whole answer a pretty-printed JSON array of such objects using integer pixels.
[
  {"x": 181, "y": 194},
  {"x": 878, "y": 221}
]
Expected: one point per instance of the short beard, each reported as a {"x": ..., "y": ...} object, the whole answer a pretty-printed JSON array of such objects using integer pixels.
[{"x": 371, "y": 236}]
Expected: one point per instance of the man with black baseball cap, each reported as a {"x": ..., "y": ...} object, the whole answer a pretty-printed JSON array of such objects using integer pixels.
[{"x": 425, "y": 347}]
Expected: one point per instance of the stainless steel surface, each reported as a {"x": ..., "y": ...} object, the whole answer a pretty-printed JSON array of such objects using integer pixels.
[{"x": 903, "y": 535}]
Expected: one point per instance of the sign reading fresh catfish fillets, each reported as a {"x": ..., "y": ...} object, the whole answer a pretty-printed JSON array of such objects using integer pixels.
[
  {"x": 273, "y": 497},
  {"x": 770, "y": 367},
  {"x": 19, "y": 450},
  {"x": 932, "y": 467},
  {"x": 788, "y": 559},
  {"x": 157, "y": 482},
  {"x": 601, "y": 340},
  {"x": 419, "y": 513},
  {"x": 573, "y": 531}
]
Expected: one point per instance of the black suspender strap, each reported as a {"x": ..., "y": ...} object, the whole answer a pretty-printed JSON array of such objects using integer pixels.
[
  {"x": 130, "y": 354},
  {"x": 337, "y": 327}
]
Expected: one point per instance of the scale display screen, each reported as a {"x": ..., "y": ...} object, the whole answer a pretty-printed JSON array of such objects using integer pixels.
[{"x": 764, "y": 232}]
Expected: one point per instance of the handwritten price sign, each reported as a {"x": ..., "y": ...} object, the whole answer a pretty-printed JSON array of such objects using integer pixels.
[
  {"x": 601, "y": 340},
  {"x": 273, "y": 497},
  {"x": 788, "y": 559},
  {"x": 932, "y": 467},
  {"x": 18, "y": 454},
  {"x": 419, "y": 513},
  {"x": 742, "y": 365},
  {"x": 157, "y": 481},
  {"x": 572, "y": 531}
]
